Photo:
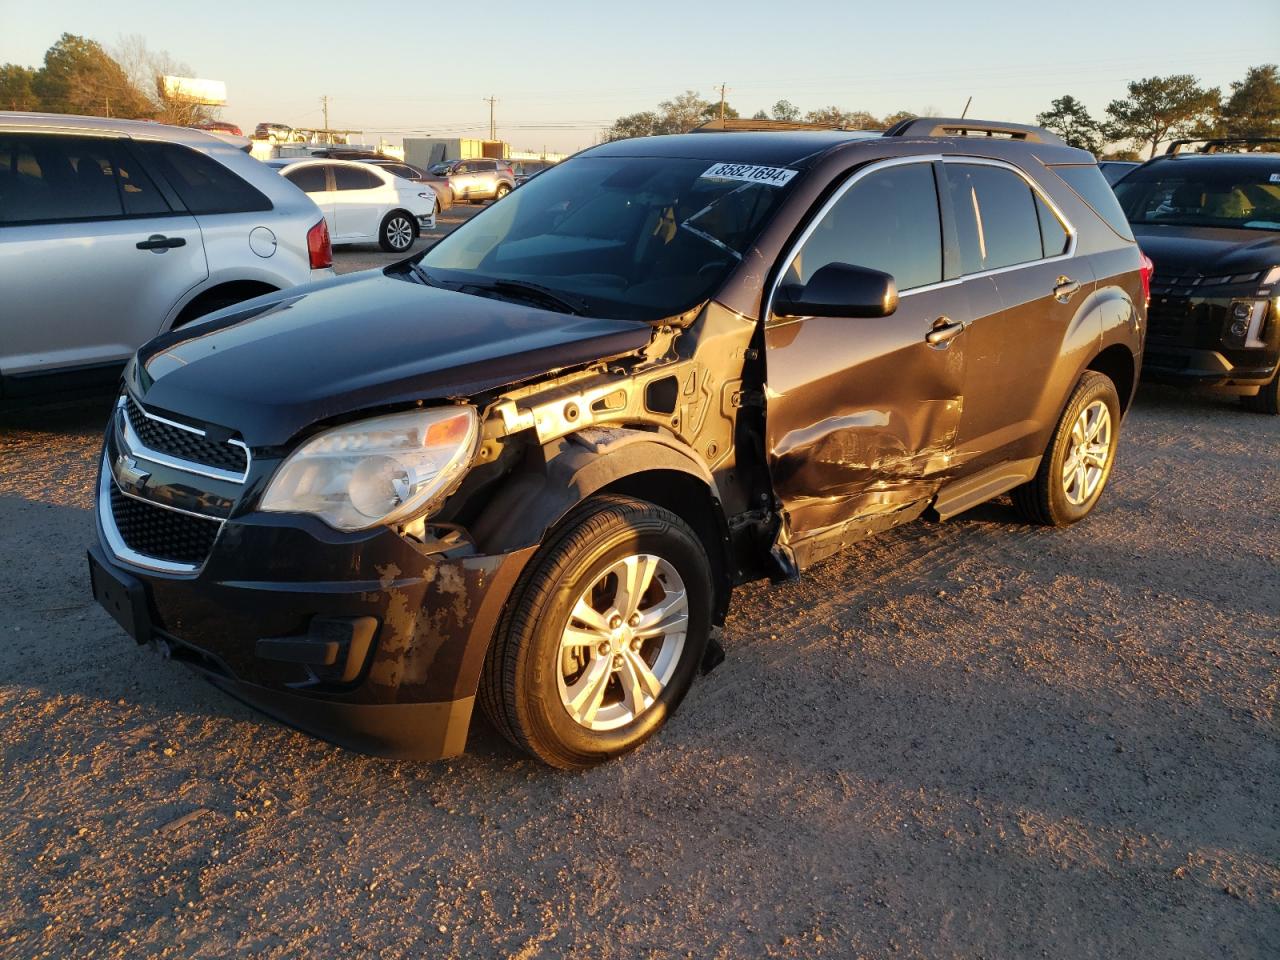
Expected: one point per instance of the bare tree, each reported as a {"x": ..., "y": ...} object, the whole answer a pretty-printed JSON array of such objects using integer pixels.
[{"x": 147, "y": 69}]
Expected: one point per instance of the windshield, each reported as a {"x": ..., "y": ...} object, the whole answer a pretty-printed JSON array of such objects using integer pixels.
[
  {"x": 1224, "y": 195},
  {"x": 634, "y": 238}
]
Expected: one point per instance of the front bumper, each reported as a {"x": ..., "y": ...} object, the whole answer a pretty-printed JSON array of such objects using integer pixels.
[
  {"x": 1189, "y": 341},
  {"x": 406, "y": 693}
]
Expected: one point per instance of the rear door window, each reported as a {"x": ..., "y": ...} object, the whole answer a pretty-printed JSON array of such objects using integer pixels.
[
  {"x": 52, "y": 178},
  {"x": 887, "y": 221},
  {"x": 996, "y": 217},
  {"x": 355, "y": 178},
  {"x": 204, "y": 184}
]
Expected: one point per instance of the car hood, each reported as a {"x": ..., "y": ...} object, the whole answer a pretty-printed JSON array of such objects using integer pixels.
[
  {"x": 273, "y": 366},
  {"x": 1210, "y": 251}
]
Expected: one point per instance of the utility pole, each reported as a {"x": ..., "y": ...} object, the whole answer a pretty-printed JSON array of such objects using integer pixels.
[
  {"x": 965, "y": 112},
  {"x": 723, "y": 90},
  {"x": 324, "y": 105},
  {"x": 493, "y": 130}
]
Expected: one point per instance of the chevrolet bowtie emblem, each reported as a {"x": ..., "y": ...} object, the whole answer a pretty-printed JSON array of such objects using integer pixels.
[{"x": 127, "y": 472}]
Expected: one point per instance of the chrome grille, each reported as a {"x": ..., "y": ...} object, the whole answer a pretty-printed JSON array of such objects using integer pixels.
[{"x": 185, "y": 443}]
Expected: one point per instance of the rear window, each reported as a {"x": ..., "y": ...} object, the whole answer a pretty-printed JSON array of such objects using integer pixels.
[
  {"x": 204, "y": 185},
  {"x": 1091, "y": 186}
]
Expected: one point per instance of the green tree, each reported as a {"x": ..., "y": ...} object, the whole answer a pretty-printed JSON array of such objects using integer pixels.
[
  {"x": 1253, "y": 109},
  {"x": 760, "y": 115},
  {"x": 1161, "y": 108},
  {"x": 831, "y": 116},
  {"x": 16, "y": 88},
  {"x": 1068, "y": 118},
  {"x": 643, "y": 124},
  {"x": 785, "y": 110},
  {"x": 79, "y": 76}
]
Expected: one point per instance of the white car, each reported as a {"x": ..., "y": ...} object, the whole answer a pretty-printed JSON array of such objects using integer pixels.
[
  {"x": 364, "y": 203},
  {"x": 114, "y": 231}
]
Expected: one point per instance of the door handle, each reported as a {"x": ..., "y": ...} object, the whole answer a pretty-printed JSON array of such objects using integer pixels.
[
  {"x": 944, "y": 330},
  {"x": 158, "y": 241},
  {"x": 1065, "y": 289}
]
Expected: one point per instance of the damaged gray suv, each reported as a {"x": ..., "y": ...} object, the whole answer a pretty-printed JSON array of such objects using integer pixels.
[{"x": 530, "y": 466}]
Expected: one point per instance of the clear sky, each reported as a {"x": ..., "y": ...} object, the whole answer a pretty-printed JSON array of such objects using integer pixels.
[{"x": 562, "y": 70}]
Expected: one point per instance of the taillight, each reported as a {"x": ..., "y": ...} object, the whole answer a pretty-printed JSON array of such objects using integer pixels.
[
  {"x": 1148, "y": 268},
  {"x": 319, "y": 249}
]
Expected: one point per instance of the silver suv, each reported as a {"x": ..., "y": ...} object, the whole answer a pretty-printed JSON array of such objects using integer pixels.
[
  {"x": 480, "y": 179},
  {"x": 113, "y": 231}
]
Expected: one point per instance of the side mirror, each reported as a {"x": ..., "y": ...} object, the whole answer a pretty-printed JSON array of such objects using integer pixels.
[{"x": 839, "y": 290}]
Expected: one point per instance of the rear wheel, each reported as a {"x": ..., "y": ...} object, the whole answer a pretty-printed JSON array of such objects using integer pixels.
[
  {"x": 397, "y": 232},
  {"x": 1266, "y": 400},
  {"x": 502, "y": 191},
  {"x": 1078, "y": 461},
  {"x": 603, "y": 635}
]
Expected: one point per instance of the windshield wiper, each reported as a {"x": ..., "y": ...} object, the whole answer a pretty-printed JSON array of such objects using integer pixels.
[{"x": 527, "y": 290}]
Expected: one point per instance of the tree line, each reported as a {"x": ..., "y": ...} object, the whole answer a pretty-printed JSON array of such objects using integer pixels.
[
  {"x": 80, "y": 76},
  {"x": 1156, "y": 109}
]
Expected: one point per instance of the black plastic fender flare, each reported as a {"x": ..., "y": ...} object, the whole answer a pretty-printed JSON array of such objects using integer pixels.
[{"x": 531, "y": 502}]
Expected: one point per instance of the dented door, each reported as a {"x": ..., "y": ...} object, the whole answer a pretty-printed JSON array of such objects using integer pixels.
[{"x": 862, "y": 414}]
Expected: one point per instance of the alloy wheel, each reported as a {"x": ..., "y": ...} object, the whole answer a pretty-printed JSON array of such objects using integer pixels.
[
  {"x": 622, "y": 642},
  {"x": 1085, "y": 464},
  {"x": 399, "y": 233}
]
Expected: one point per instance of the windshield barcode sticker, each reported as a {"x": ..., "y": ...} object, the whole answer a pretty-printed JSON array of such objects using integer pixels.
[
  {"x": 1275, "y": 178},
  {"x": 771, "y": 176}
]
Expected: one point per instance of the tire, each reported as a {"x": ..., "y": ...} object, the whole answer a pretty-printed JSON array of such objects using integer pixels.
[
  {"x": 1056, "y": 500},
  {"x": 541, "y": 662},
  {"x": 502, "y": 191},
  {"x": 1266, "y": 400},
  {"x": 397, "y": 232}
]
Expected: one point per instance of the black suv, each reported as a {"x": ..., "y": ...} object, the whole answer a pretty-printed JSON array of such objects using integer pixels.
[
  {"x": 1210, "y": 221},
  {"x": 532, "y": 464}
]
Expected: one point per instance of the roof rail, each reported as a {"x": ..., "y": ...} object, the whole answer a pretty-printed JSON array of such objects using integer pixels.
[
  {"x": 947, "y": 127},
  {"x": 1216, "y": 144}
]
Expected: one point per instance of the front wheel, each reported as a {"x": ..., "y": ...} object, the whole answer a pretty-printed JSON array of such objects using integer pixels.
[
  {"x": 396, "y": 232},
  {"x": 1078, "y": 461},
  {"x": 602, "y": 636}
]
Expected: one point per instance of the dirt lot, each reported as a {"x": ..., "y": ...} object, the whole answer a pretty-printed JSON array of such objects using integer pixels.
[{"x": 972, "y": 739}]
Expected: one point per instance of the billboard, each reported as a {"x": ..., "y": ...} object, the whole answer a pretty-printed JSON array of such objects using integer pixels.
[{"x": 212, "y": 93}]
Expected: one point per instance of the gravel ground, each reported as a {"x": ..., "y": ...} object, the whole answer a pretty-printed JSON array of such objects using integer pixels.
[{"x": 971, "y": 739}]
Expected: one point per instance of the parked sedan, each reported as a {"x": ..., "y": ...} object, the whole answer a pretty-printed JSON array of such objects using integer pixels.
[
  {"x": 364, "y": 203},
  {"x": 113, "y": 231},
  {"x": 407, "y": 171}
]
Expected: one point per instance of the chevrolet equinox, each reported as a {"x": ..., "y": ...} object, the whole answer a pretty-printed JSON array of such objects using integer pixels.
[{"x": 530, "y": 465}]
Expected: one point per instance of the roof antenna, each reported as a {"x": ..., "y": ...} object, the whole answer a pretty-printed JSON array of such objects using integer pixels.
[{"x": 965, "y": 112}]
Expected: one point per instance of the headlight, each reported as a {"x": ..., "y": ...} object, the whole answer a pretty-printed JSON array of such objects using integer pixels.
[{"x": 376, "y": 471}]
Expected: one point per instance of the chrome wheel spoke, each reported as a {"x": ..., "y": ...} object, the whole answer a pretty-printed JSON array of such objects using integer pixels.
[
  {"x": 587, "y": 614},
  {"x": 1090, "y": 449},
  {"x": 575, "y": 637},
  {"x": 587, "y": 694},
  {"x": 671, "y": 615},
  {"x": 639, "y": 685},
  {"x": 633, "y": 581}
]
